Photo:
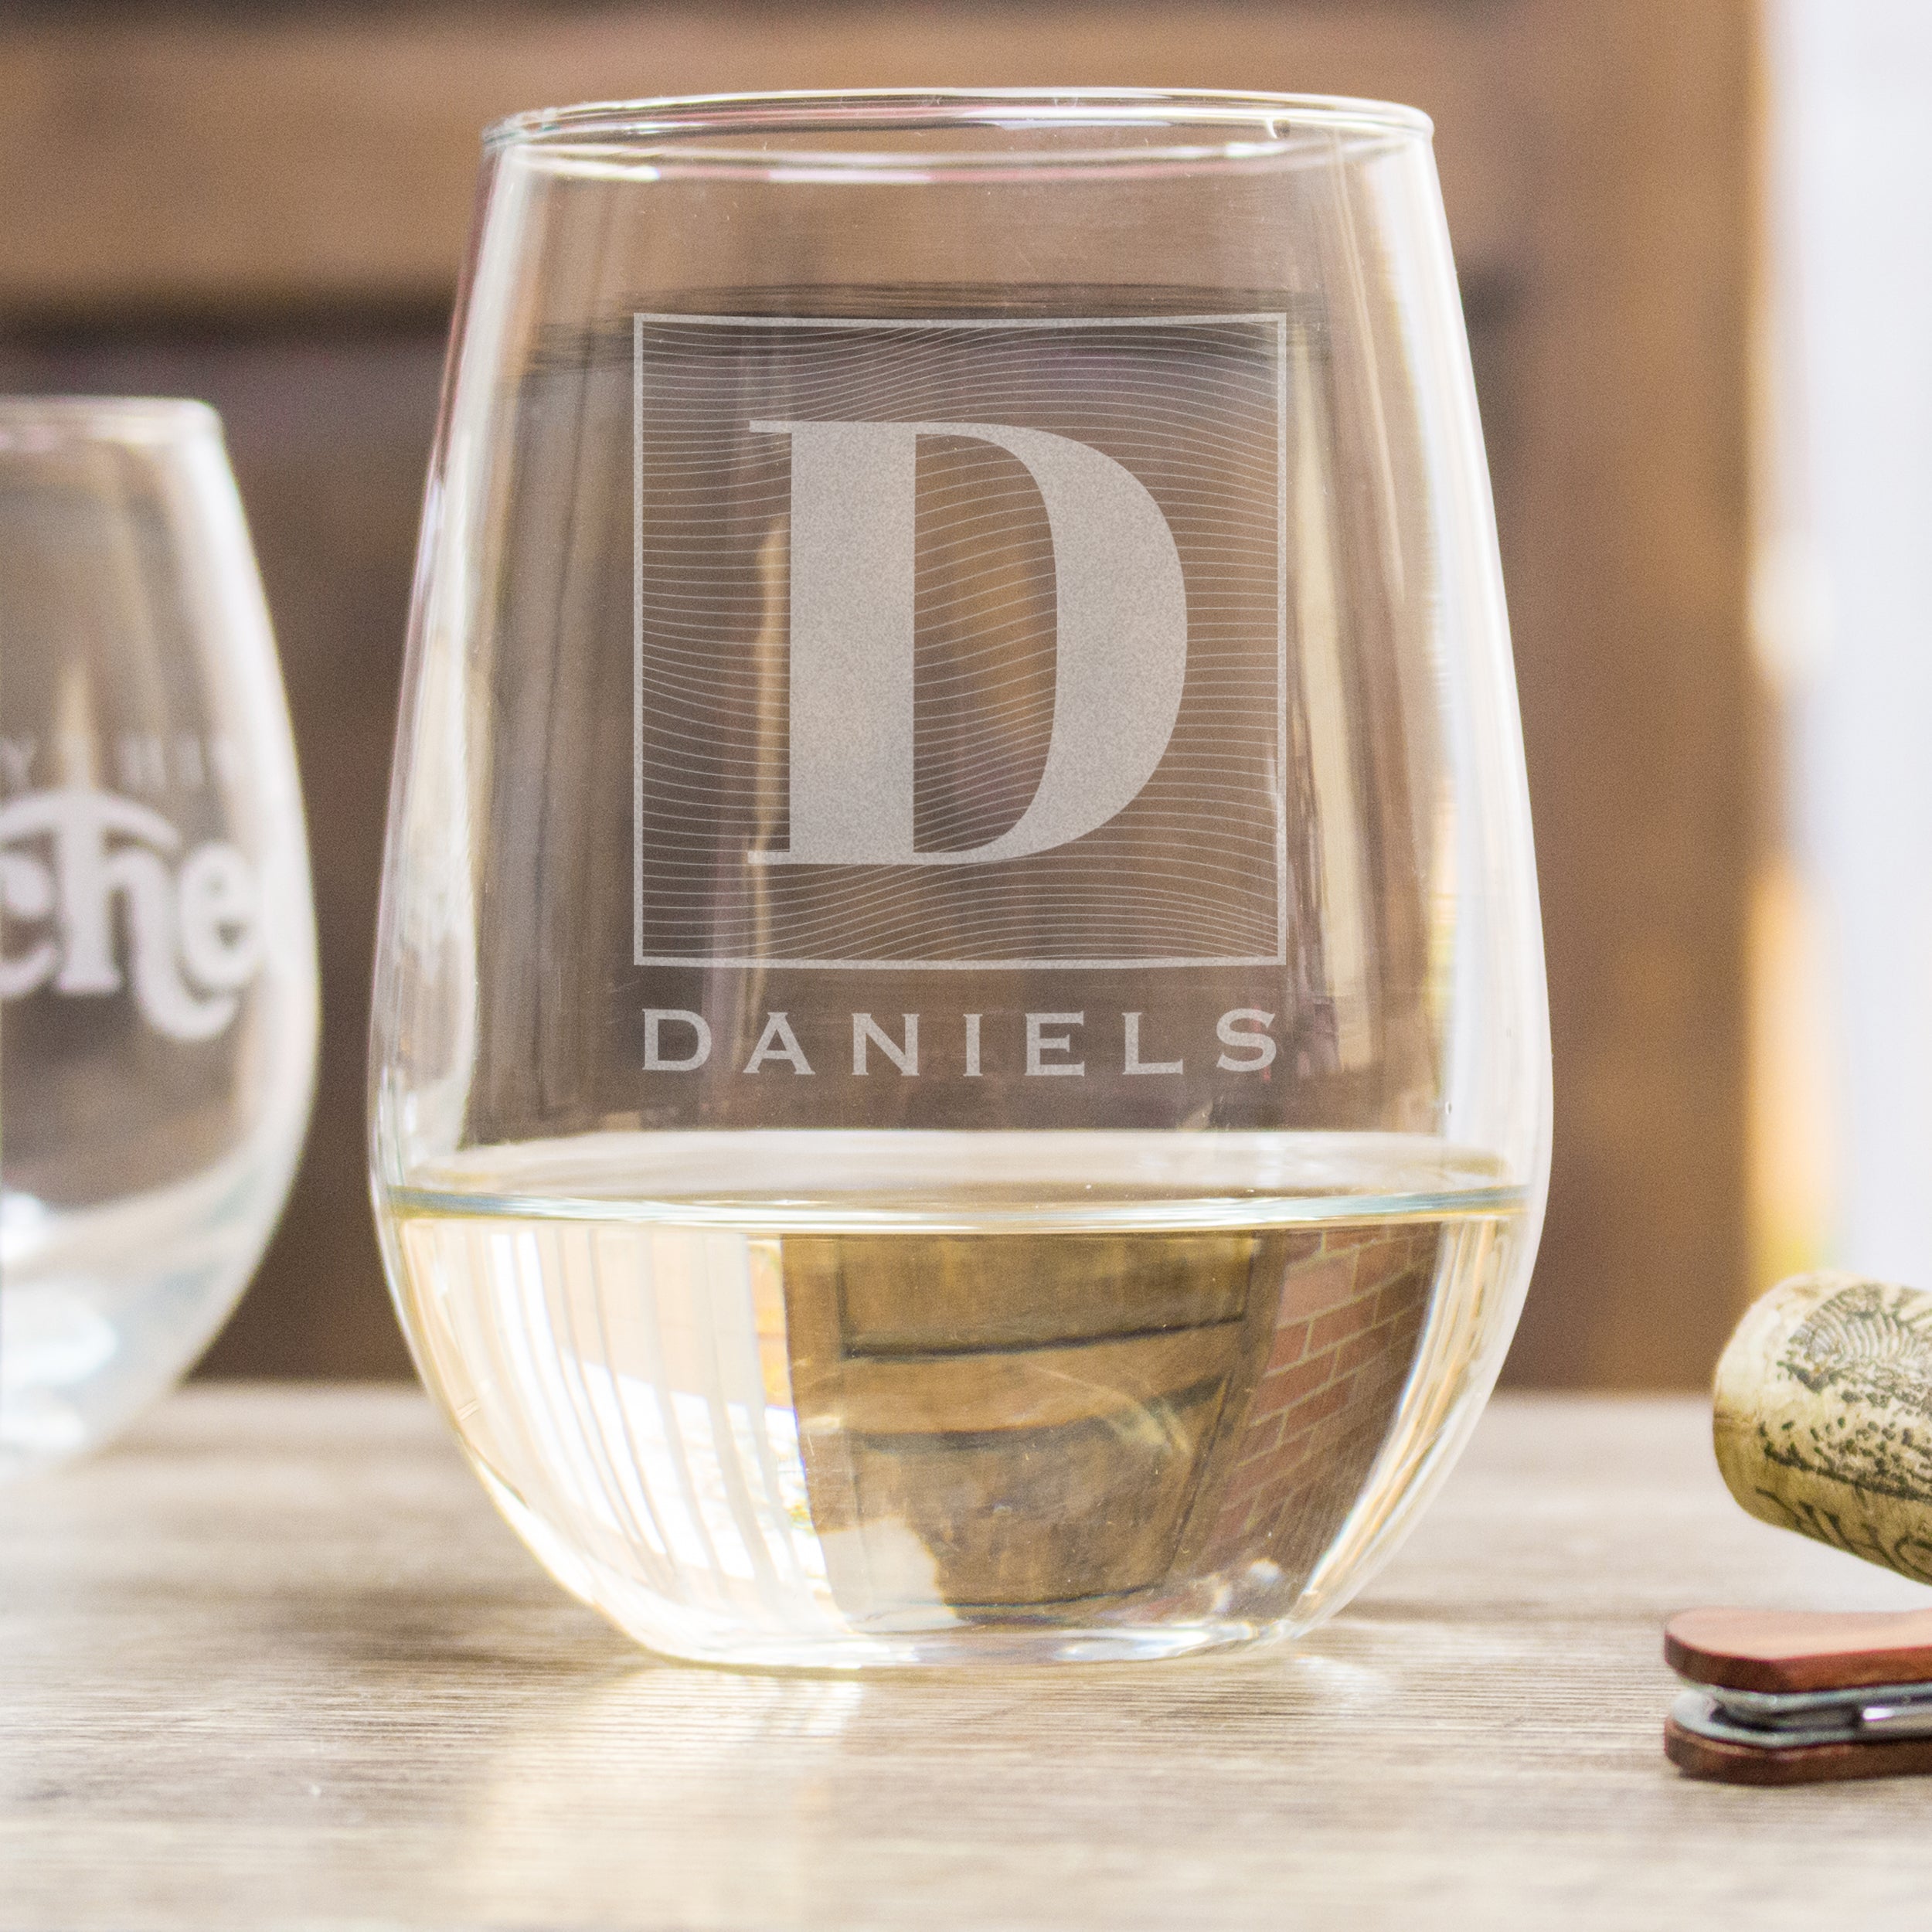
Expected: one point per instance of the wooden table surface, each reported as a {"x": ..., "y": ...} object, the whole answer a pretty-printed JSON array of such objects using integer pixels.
[{"x": 274, "y": 1662}]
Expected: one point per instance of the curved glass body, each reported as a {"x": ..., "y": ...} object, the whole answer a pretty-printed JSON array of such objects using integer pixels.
[
  {"x": 158, "y": 957},
  {"x": 961, "y": 1067}
]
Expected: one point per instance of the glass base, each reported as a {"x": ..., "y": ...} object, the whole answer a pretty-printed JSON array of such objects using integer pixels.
[
  {"x": 965, "y": 1649},
  {"x": 694, "y": 1637}
]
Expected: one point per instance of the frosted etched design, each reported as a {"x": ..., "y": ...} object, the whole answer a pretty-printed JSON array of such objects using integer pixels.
[{"x": 1030, "y": 615}]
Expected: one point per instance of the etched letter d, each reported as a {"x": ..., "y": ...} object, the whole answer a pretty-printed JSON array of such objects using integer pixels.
[{"x": 1121, "y": 651}]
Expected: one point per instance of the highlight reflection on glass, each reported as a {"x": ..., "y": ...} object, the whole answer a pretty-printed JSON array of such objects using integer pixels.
[{"x": 961, "y": 1068}]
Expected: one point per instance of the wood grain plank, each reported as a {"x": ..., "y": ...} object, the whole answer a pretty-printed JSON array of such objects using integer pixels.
[
  {"x": 1599, "y": 163},
  {"x": 275, "y": 1663},
  {"x": 296, "y": 159},
  {"x": 1624, "y": 513},
  {"x": 1028, "y": 1389},
  {"x": 953, "y": 1293}
]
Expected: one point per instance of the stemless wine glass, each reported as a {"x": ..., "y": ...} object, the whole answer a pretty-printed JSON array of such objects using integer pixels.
[
  {"x": 157, "y": 956},
  {"x": 961, "y": 1067}
]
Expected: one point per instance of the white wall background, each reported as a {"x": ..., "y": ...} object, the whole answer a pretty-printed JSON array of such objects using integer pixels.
[{"x": 1844, "y": 600}]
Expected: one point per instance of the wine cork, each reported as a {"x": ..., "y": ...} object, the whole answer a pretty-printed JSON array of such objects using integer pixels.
[{"x": 1824, "y": 1416}]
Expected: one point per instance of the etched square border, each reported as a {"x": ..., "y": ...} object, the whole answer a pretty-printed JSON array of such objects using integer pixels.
[{"x": 641, "y": 319}]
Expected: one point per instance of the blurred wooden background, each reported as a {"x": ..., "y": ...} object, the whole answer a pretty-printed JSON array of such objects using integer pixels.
[{"x": 266, "y": 206}]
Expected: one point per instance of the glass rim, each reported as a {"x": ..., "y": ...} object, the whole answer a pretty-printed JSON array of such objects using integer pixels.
[
  {"x": 670, "y": 117},
  {"x": 50, "y": 419}
]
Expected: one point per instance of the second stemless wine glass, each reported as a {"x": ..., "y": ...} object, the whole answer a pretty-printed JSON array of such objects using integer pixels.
[
  {"x": 157, "y": 945},
  {"x": 961, "y": 1067}
]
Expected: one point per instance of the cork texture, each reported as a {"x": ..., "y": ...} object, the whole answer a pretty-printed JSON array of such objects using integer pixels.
[{"x": 1823, "y": 1416}]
